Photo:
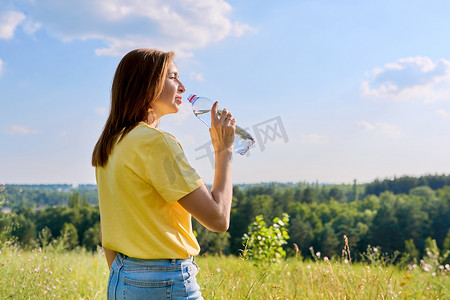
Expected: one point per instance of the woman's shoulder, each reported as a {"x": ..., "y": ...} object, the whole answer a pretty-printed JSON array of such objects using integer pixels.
[{"x": 145, "y": 134}]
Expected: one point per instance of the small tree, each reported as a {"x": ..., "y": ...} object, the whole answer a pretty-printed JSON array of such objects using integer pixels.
[
  {"x": 69, "y": 236},
  {"x": 411, "y": 252},
  {"x": 264, "y": 243}
]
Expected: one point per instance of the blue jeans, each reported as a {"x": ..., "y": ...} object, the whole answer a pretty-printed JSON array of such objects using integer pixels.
[{"x": 133, "y": 278}]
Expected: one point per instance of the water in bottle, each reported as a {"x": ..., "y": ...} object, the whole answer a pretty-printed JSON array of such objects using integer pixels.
[{"x": 201, "y": 107}]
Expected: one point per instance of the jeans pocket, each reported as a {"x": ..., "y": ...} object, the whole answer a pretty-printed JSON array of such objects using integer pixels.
[{"x": 147, "y": 289}]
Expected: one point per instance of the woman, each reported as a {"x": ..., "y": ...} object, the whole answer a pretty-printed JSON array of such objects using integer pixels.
[{"x": 147, "y": 189}]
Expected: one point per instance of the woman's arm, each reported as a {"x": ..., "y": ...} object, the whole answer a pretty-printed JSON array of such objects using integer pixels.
[
  {"x": 212, "y": 208},
  {"x": 110, "y": 254}
]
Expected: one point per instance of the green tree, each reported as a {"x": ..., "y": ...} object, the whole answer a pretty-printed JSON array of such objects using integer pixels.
[
  {"x": 309, "y": 195},
  {"x": 423, "y": 191},
  {"x": 411, "y": 250},
  {"x": 328, "y": 241},
  {"x": 91, "y": 237},
  {"x": 264, "y": 243},
  {"x": 69, "y": 235},
  {"x": 385, "y": 228},
  {"x": 23, "y": 229},
  {"x": 74, "y": 201},
  {"x": 301, "y": 233}
]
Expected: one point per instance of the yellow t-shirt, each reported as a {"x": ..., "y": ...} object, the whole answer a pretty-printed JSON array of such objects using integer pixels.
[{"x": 146, "y": 174}]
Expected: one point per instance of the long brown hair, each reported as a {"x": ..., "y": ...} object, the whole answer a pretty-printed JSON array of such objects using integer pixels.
[{"x": 138, "y": 81}]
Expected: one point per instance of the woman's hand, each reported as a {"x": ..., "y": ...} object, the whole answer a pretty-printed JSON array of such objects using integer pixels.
[{"x": 222, "y": 129}]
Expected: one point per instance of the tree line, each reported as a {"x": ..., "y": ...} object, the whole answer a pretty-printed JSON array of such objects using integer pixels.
[{"x": 400, "y": 214}]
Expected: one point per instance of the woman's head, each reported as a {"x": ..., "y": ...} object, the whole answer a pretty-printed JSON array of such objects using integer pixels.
[{"x": 138, "y": 81}]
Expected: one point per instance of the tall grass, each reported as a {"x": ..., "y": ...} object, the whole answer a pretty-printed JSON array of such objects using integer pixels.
[{"x": 49, "y": 273}]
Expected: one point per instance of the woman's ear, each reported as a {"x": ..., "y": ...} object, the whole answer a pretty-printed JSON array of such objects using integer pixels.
[{"x": 151, "y": 116}]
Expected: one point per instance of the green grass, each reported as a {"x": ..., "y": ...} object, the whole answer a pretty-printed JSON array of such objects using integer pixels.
[{"x": 48, "y": 274}]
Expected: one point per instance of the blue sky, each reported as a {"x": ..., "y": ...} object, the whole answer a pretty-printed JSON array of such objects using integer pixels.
[{"x": 334, "y": 90}]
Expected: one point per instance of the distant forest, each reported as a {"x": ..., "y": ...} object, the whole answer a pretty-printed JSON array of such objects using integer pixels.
[{"x": 397, "y": 215}]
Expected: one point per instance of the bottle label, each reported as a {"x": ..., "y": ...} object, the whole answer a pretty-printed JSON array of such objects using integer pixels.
[{"x": 192, "y": 98}]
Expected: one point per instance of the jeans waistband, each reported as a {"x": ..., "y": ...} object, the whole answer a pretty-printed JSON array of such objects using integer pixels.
[{"x": 155, "y": 262}]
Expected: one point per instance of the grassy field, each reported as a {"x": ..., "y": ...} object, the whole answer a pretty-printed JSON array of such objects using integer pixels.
[{"x": 48, "y": 274}]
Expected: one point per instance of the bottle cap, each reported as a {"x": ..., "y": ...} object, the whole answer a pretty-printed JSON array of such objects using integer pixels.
[{"x": 192, "y": 98}]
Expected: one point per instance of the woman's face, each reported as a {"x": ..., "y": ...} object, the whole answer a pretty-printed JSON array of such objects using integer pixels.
[{"x": 170, "y": 99}]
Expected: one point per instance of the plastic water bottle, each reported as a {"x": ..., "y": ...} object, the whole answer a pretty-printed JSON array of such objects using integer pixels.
[{"x": 201, "y": 107}]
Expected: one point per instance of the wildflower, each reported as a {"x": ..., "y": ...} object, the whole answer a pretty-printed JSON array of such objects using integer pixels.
[
  {"x": 218, "y": 270},
  {"x": 325, "y": 258},
  {"x": 18, "y": 254},
  {"x": 447, "y": 266},
  {"x": 346, "y": 261},
  {"x": 428, "y": 253},
  {"x": 70, "y": 269},
  {"x": 433, "y": 274},
  {"x": 29, "y": 260},
  {"x": 441, "y": 267},
  {"x": 318, "y": 254},
  {"x": 50, "y": 272},
  {"x": 375, "y": 249},
  {"x": 37, "y": 269},
  {"x": 21, "y": 269},
  {"x": 309, "y": 267},
  {"x": 45, "y": 257}
]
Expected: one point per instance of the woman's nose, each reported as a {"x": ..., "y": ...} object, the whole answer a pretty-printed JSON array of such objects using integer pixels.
[{"x": 181, "y": 88}]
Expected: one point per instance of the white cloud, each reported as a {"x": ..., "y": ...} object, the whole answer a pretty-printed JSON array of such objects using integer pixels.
[
  {"x": 384, "y": 128},
  {"x": 196, "y": 76},
  {"x": 410, "y": 78},
  {"x": 179, "y": 25},
  {"x": 313, "y": 138},
  {"x": 101, "y": 111},
  {"x": 31, "y": 27},
  {"x": 8, "y": 23},
  {"x": 17, "y": 129},
  {"x": 365, "y": 125},
  {"x": 441, "y": 112}
]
